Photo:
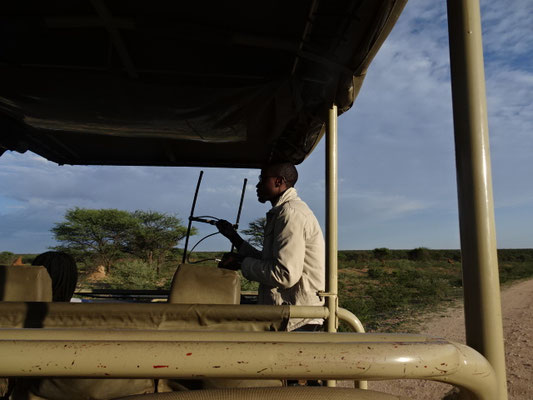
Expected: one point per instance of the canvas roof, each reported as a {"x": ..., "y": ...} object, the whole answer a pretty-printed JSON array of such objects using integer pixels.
[{"x": 205, "y": 83}]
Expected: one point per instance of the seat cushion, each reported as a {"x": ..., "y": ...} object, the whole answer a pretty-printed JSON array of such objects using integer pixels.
[
  {"x": 199, "y": 284},
  {"x": 25, "y": 283}
]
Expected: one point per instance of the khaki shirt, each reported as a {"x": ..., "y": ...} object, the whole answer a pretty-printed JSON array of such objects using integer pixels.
[{"x": 291, "y": 267}]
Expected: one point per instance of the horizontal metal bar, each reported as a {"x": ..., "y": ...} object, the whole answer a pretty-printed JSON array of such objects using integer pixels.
[
  {"x": 128, "y": 335},
  {"x": 351, "y": 320},
  {"x": 210, "y": 354},
  {"x": 323, "y": 312}
]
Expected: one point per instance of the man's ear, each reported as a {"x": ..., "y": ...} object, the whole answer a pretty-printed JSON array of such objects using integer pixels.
[{"x": 279, "y": 181}]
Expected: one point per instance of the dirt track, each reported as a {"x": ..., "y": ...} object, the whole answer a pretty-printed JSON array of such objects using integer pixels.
[{"x": 517, "y": 308}]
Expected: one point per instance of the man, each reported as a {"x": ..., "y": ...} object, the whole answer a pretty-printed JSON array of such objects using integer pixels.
[{"x": 291, "y": 267}]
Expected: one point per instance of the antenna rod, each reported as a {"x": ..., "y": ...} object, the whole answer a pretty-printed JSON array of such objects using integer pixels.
[
  {"x": 191, "y": 216},
  {"x": 240, "y": 208}
]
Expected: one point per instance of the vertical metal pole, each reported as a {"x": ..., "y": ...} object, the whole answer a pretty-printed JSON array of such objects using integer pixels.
[
  {"x": 331, "y": 221},
  {"x": 240, "y": 208},
  {"x": 192, "y": 215},
  {"x": 483, "y": 319}
]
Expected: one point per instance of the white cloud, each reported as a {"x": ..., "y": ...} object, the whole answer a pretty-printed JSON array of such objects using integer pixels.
[{"x": 380, "y": 206}]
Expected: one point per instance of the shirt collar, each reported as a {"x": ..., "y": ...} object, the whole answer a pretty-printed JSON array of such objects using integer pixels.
[{"x": 289, "y": 194}]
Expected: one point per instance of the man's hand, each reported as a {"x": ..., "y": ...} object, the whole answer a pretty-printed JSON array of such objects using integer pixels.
[
  {"x": 231, "y": 261},
  {"x": 226, "y": 228}
]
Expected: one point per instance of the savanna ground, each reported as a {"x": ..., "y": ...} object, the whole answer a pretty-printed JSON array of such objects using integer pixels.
[
  {"x": 415, "y": 290},
  {"x": 517, "y": 303}
]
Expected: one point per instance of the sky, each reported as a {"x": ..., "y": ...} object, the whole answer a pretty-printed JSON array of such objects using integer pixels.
[{"x": 397, "y": 186}]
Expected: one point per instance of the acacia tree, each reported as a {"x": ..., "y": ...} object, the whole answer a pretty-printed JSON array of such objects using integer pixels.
[
  {"x": 107, "y": 234},
  {"x": 101, "y": 233},
  {"x": 155, "y": 236},
  {"x": 256, "y": 232}
]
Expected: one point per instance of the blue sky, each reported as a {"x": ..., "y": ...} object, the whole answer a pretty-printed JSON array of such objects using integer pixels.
[{"x": 397, "y": 184}]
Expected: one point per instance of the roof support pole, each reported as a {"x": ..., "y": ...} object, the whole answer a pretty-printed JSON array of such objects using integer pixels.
[
  {"x": 483, "y": 319},
  {"x": 331, "y": 220},
  {"x": 116, "y": 38}
]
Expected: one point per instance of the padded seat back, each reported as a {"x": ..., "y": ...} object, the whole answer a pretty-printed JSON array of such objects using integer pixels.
[
  {"x": 25, "y": 283},
  {"x": 199, "y": 284}
]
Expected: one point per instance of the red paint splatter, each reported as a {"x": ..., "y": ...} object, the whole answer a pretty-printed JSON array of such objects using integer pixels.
[
  {"x": 160, "y": 366},
  {"x": 189, "y": 354}
]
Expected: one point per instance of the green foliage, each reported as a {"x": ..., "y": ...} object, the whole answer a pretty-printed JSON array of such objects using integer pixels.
[
  {"x": 513, "y": 270},
  {"x": 256, "y": 232},
  {"x": 102, "y": 233},
  {"x": 382, "y": 253},
  {"x": 7, "y": 258},
  {"x": 133, "y": 274},
  {"x": 375, "y": 272},
  {"x": 419, "y": 254},
  {"x": 394, "y": 288},
  {"x": 247, "y": 285},
  {"x": 154, "y": 236},
  {"x": 519, "y": 255},
  {"x": 103, "y": 236},
  {"x": 354, "y": 256}
]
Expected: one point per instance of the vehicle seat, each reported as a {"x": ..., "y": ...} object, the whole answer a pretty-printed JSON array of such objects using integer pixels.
[
  {"x": 199, "y": 284},
  {"x": 28, "y": 283},
  {"x": 25, "y": 283}
]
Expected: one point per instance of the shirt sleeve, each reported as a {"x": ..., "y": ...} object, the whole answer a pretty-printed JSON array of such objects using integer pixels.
[
  {"x": 247, "y": 250},
  {"x": 284, "y": 268}
]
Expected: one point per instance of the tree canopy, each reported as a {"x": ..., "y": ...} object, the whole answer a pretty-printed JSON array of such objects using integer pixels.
[
  {"x": 256, "y": 232},
  {"x": 155, "y": 235},
  {"x": 109, "y": 234}
]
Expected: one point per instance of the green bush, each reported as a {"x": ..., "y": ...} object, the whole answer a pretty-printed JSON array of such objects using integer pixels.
[
  {"x": 518, "y": 255},
  {"x": 247, "y": 285},
  {"x": 356, "y": 256},
  {"x": 375, "y": 273},
  {"x": 419, "y": 254},
  {"x": 381, "y": 253},
  {"x": 510, "y": 271},
  {"x": 133, "y": 274},
  {"x": 7, "y": 258}
]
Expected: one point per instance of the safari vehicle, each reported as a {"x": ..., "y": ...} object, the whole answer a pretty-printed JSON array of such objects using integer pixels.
[{"x": 232, "y": 84}]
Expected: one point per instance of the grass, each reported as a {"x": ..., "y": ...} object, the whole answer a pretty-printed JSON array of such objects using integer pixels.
[
  {"x": 385, "y": 294},
  {"x": 389, "y": 295}
]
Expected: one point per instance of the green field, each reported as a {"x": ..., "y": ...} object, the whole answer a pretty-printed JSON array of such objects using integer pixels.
[{"x": 387, "y": 289}]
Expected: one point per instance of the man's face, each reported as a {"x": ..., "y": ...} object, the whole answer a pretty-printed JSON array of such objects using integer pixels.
[{"x": 268, "y": 187}]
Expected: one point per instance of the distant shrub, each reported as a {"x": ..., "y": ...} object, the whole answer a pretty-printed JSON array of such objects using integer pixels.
[
  {"x": 355, "y": 255},
  {"x": 28, "y": 259},
  {"x": 419, "y": 254},
  {"x": 510, "y": 271},
  {"x": 132, "y": 274},
  {"x": 7, "y": 258},
  {"x": 247, "y": 285},
  {"x": 381, "y": 253},
  {"x": 375, "y": 273},
  {"x": 519, "y": 255}
]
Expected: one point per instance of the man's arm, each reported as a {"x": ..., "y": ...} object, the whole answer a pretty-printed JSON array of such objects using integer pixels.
[
  {"x": 284, "y": 268},
  {"x": 244, "y": 248},
  {"x": 227, "y": 230}
]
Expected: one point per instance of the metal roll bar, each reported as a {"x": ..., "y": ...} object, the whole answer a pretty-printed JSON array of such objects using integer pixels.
[
  {"x": 484, "y": 331},
  {"x": 244, "y": 355}
]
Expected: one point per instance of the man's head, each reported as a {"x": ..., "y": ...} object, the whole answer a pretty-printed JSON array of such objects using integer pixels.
[{"x": 274, "y": 180}]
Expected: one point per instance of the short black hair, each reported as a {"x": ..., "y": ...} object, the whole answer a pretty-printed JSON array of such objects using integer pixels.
[{"x": 286, "y": 170}]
